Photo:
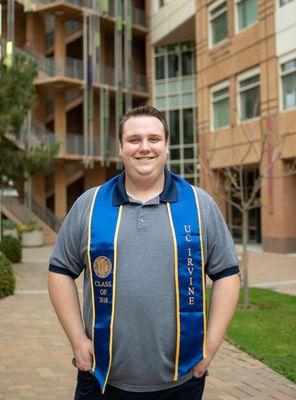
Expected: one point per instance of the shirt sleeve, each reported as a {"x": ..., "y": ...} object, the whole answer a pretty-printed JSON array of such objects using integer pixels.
[
  {"x": 219, "y": 250},
  {"x": 67, "y": 256}
]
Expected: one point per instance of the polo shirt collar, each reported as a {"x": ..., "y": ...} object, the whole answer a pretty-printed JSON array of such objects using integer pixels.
[{"x": 168, "y": 195}]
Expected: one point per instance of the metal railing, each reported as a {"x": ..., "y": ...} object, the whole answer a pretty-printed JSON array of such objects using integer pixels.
[
  {"x": 69, "y": 67},
  {"x": 46, "y": 215},
  {"x": 24, "y": 214},
  {"x": 139, "y": 17},
  {"x": 77, "y": 3},
  {"x": 75, "y": 144},
  {"x": 139, "y": 82},
  {"x": 107, "y": 75}
]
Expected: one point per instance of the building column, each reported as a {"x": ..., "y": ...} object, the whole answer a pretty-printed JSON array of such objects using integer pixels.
[
  {"x": 278, "y": 195},
  {"x": 38, "y": 188},
  {"x": 60, "y": 45},
  {"x": 35, "y": 32},
  {"x": 60, "y": 190},
  {"x": 60, "y": 120}
]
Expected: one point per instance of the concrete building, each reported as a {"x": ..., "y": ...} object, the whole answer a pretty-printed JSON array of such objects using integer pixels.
[
  {"x": 223, "y": 72},
  {"x": 90, "y": 57},
  {"x": 245, "y": 76}
]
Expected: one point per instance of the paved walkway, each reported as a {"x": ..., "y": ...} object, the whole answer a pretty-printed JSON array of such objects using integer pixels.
[{"x": 35, "y": 357}]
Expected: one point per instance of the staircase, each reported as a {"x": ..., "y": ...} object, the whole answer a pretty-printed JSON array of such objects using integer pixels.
[{"x": 21, "y": 215}]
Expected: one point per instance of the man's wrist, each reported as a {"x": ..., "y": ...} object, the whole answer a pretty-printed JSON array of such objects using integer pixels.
[{"x": 77, "y": 339}]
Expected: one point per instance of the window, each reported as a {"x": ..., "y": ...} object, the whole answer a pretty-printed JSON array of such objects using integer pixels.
[
  {"x": 218, "y": 22},
  {"x": 220, "y": 106},
  {"x": 247, "y": 13},
  {"x": 284, "y": 2},
  {"x": 249, "y": 94},
  {"x": 187, "y": 63},
  {"x": 173, "y": 65},
  {"x": 159, "y": 67},
  {"x": 174, "y": 127},
  {"x": 188, "y": 127},
  {"x": 288, "y": 74}
]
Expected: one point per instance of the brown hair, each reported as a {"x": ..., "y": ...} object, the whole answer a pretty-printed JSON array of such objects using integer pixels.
[{"x": 143, "y": 110}]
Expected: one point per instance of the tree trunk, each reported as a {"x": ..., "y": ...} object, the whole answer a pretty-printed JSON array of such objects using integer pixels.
[{"x": 245, "y": 235}]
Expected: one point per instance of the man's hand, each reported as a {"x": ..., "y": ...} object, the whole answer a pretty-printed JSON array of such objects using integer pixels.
[
  {"x": 200, "y": 368},
  {"x": 224, "y": 295},
  {"x": 83, "y": 353}
]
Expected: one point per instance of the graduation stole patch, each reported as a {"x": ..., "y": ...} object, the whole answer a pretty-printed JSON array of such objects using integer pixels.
[{"x": 104, "y": 224}]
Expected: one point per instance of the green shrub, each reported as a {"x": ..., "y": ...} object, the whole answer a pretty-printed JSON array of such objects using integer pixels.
[
  {"x": 7, "y": 280},
  {"x": 12, "y": 248}
]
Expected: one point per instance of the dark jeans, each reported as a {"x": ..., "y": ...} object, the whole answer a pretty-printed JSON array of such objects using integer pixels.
[{"x": 88, "y": 389}]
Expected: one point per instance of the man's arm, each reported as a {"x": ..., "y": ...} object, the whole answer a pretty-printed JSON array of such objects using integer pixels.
[
  {"x": 64, "y": 297},
  {"x": 224, "y": 296}
]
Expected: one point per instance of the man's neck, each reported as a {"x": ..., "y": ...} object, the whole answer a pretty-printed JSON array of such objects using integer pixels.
[{"x": 144, "y": 188}]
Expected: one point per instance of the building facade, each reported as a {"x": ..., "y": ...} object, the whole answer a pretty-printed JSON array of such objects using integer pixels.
[
  {"x": 245, "y": 104},
  {"x": 89, "y": 56},
  {"x": 223, "y": 72}
]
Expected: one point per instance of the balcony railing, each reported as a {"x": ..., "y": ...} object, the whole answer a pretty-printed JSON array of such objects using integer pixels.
[
  {"x": 75, "y": 144},
  {"x": 139, "y": 82},
  {"x": 78, "y": 3},
  {"x": 139, "y": 17},
  {"x": 69, "y": 67}
]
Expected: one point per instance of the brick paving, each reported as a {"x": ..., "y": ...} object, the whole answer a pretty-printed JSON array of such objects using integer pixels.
[{"x": 35, "y": 356}]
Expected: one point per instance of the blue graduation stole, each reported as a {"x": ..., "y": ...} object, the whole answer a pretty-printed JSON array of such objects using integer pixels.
[{"x": 104, "y": 223}]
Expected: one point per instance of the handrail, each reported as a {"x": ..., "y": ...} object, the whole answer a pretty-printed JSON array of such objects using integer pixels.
[
  {"x": 46, "y": 215},
  {"x": 24, "y": 214}
]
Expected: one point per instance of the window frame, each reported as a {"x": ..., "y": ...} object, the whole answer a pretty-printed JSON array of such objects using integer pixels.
[
  {"x": 284, "y": 60},
  {"x": 216, "y": 88},
  {"x": 216, "y": 4},
  {"x": 241, "y": 77},
  {"x": 236, "y": 18}
]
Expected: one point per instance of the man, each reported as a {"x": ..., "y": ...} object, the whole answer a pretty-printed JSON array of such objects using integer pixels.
[{"x": 144, "y": 240}]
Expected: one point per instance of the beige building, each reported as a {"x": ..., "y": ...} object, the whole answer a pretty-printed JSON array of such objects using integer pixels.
[
  {"x": 245, "y": 74},
  {"x": 90, "y": 70}
]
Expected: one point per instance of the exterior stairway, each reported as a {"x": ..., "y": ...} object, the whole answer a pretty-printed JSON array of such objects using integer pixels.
[{"x": 20, "y": 214}]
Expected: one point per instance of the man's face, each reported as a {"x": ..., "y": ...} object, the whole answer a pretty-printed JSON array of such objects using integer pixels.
[{"x": 143, "y": 148}]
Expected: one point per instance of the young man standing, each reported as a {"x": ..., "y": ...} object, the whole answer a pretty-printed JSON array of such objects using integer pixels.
[{"x": 145, "y": 240}]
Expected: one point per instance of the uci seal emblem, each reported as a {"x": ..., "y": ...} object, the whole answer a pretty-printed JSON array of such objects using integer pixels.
[{"x": 102, "y": 266}]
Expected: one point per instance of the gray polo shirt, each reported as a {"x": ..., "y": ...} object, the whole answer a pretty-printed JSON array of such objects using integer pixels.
[{"x": 145, "y": 320}]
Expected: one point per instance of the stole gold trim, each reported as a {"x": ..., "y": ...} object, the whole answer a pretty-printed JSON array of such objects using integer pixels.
[
  {"x": 177, "y": 293},
  {"x": 90, "y": 274},
  {"x": 203, "y": 273},
  {"x": 113, "y": 295}
]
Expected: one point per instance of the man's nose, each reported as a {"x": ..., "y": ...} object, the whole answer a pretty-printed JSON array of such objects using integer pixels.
[{"x": 144, "y": 146}]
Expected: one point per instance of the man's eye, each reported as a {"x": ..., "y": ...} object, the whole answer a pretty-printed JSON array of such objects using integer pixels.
[
  {"x": 134, "y": 140},
  {"x": 155, "y": 139}
]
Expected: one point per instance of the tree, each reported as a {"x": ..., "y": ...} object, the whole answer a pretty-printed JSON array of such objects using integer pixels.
[
  {"x": 17, "y": 95},
  {"x": 267, "y": 151}
]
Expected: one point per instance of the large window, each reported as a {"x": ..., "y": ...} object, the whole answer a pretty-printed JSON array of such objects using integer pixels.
[
  {"x": 220, "y": 105},
  {"x": 249, "y": 94},
  {"x": 246, "y": 12},
  {"x": 288, "y": 75},
  {"x": 218, "y": 22}
]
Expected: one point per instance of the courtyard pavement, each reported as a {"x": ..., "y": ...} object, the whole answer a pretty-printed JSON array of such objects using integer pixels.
[{"x": 35, "y": 356}]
